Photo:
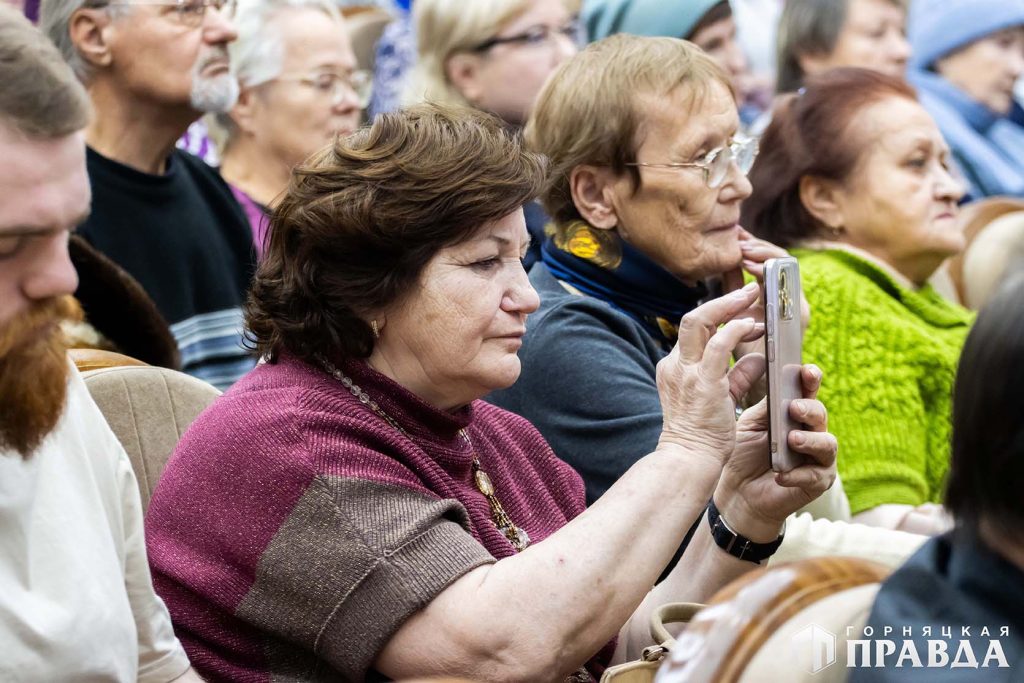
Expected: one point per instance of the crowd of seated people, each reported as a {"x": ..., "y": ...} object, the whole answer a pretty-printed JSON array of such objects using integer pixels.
[{"x": 494, "y": 362}]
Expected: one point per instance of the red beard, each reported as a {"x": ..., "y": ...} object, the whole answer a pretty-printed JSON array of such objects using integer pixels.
[{"x": 33, "y": 374}]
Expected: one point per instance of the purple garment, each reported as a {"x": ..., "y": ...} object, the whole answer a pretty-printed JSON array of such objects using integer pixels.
[
  {"x": 32, "y": 10},
  {"x": 258, "y": 215}
]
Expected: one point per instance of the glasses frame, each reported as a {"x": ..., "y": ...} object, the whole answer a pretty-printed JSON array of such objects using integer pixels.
[
  {"x": 726, "y": 155},
  {"x": 363, "y": 93},
  {"x": 180, "y": 6},
  {"x": 536, "y": 36}
]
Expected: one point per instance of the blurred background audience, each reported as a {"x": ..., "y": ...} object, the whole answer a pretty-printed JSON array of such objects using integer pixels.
[
  {"x": 298, "y": 88},
  {"x": 854, "y": 178},
  {"x": 817, "y": 35},
  {"x": 967, "y": 57},
  {"x": 708, "y": 24}
]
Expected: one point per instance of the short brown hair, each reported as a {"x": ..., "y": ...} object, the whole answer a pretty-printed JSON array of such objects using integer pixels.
[
  {"x": 810, "y": 135},
  {"x": 362, "y": 218},
  {"x": 40, "y": 96},
  {"x": 590, "y": 111}
]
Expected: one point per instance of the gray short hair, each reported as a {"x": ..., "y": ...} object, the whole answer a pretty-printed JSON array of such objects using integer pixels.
[
  {"x": 40, "y": 97},
  {"x": 55, "y": 20},
  {"x": 257, "y": 55}
]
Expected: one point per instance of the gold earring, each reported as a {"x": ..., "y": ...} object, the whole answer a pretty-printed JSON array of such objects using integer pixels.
[
  {"x": 375, "y": 328},
  {"x": 586, "y": 243}
]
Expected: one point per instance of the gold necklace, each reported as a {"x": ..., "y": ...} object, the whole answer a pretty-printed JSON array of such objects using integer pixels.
[{"x": 517, "y": 536}]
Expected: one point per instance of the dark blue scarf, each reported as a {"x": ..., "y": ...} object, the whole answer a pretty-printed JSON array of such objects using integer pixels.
[{"x": 638, "y": 287}]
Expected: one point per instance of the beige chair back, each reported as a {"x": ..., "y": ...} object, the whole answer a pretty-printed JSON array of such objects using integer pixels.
[{"x": 148, "y": 408}]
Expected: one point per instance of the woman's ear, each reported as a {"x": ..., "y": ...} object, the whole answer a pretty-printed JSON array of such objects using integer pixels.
[
  {"x": 463, "y": 72},
  {"x": 243, "y": 114},
  {"x": 87, "y": 30},
  {"x": 593, "y": 193},
  {"x": 823, "y": 200}
]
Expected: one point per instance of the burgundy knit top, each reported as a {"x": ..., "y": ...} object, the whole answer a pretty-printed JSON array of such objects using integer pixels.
[{"x": 295, "y": 530}]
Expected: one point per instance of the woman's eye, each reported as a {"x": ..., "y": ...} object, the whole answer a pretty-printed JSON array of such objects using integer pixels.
[
  {"x": 917, "y": 162},
  {"x": 10, "y": 245},
  {"x": 487, "y": 264}
]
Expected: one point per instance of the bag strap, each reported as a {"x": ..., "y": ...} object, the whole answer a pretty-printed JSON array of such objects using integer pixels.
[{"x": 669, "y": 613}]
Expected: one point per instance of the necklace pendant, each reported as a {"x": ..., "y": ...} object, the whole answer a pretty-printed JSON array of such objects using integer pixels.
[{"x": 483, "y": 483}]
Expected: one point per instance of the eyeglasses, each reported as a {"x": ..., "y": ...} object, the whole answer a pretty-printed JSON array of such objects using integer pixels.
[
  {"x": 716, "y": 163},
  {"x": 187, "y": 12},
  {"x": 336, "y": 85},
  {"x": 535, "y": 36}
]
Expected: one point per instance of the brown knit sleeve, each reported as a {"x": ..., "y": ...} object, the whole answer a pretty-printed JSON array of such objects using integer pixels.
[{"x": 352, "y": 562}]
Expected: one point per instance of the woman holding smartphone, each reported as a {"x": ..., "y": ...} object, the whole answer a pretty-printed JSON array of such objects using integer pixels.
[
  {"x": 645, "y": 206},
  {"x": 855, "y": 179}
]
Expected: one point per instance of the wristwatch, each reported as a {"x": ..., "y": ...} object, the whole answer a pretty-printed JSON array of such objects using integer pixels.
[{"x": 736, "y": 545}]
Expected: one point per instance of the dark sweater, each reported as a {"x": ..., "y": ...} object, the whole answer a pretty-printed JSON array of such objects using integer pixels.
[
  {"x": 183, "y": 236},
  {"x": 953, "y": 581},
  {"x": 294, "y": 530}
]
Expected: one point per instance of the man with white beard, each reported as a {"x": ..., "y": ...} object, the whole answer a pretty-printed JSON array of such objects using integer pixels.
[
  {"x": 151, "y": 68},
  {"x": 76, "y": 596}
]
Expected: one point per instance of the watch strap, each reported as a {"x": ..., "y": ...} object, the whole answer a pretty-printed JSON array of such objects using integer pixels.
[{"x": 737, "y": 545}]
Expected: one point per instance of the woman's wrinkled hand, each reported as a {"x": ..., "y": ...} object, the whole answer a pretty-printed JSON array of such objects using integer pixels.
[
  {"x": 755, "y": 252},
  {"x": 698, "y": 390},
  {"x": 753, "y": 498}
]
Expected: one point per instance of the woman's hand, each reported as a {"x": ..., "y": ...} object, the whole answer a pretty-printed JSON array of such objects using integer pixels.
[
  {"x": 755, "y": 253},
  {"x": 698, "y": 390},
  {"x": 756, "y": 500}
]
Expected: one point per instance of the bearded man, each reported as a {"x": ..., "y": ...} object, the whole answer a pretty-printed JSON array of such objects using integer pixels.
[
  {"x": 76, "y": 597},
  {"x": 151, "y": 69}
]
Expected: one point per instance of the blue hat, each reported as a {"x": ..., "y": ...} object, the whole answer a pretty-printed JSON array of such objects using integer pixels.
[
  {"x": 937, "y": 27},
  {"x": 672, "y": 18}
]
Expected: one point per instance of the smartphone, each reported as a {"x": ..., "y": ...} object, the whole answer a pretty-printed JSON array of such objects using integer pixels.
[{"x": 783, "y": 342}]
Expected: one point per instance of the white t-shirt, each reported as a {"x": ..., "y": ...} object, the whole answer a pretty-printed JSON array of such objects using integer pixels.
[{"x": 76, "y": 597}]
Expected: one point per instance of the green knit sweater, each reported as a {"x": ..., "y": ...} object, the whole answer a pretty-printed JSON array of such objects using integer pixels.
[{"x": 889, "y": 355}]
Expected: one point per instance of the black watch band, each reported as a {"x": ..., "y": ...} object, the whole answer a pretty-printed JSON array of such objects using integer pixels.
[{"x": 736, "y": 545}]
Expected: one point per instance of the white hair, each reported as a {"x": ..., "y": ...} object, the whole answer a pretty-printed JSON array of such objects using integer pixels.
[{"x": 257, "y": 55}]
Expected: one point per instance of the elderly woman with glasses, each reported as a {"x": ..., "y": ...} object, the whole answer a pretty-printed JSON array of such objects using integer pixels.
[
  {"x": 644, "y": 193},
  {"x": 493, "y": 55},
  {"x": 298, "y": 89},
  {"x": 352, "y": 511}
]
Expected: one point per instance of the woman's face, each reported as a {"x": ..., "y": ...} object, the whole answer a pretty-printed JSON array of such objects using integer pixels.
[
  {"x": 719, "y": 41},
  {"x": 900, "y": 202},
  {"x": 302, "y": 109},
  {"x": 872, "y": 37},
  {"x": 454, "y": 339},
  {"x": 987, "y": 69},
  {"x": 674, "y": 218},
  {"x": 506, "y": 78}
]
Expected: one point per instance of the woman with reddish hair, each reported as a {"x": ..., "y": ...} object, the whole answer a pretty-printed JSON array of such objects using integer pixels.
[{"x": 854, "y": 179}]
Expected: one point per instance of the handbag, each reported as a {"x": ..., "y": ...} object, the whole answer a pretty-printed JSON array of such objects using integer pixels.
[{"x": 644, "y": 669}]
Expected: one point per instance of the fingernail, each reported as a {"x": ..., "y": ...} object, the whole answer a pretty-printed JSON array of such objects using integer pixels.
[
  {"x": 801, "y": 409},
  {"x": 799, "y": 439},
  {"x": 751, "y": 287}
]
